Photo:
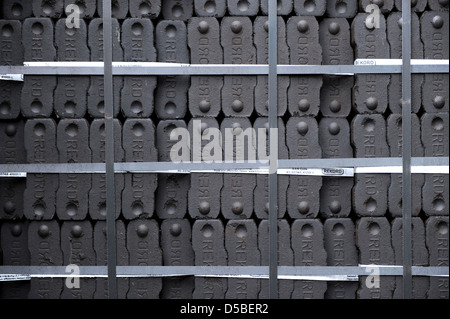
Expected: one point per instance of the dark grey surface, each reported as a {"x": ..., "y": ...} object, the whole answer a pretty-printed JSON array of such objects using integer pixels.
[
  {"x": 37, "y": 92},
  {"x": 143, "y": 247},
  {"x": 44, "y": 244},
  {"x": 100, "y": 248},
  {"x": 204, "y": 42},
  {"x": 145, "y": 8},
  {"x": 416, "y": 6},
  {"x": 261, "y": 193},
  {"x": 237, "y": 191},
  {"x": 97, "y": 144},
  {"x": 171, "y": 91},
  {"x": 17, "y": 9},
  {"x": 394, "y": 138},
  {"x": 96, "y": 96},
  {"x": 243, "y": 8},
  {"x": 307, "y": 241},
  {"x": 261, "y": 40},
  {"x": 309, "y": 7},
  {"x": 436, "y": 42},
  {"x": 303, "y": 42},
  {"x": 370, "y": 91},
  {"x": 340, "y": 245},
  {"x": 171, "y": 195},
  {"x": 87, "y": 8},
  {"x": 385, "y": 6},
  {"x": 138, "y": 197},
  {"x": 208, "y": 244},
  {"x": 78, "y": 249},
  {"x": 71, "y": 91},
  {"x": 138, "y": 44},
  {"x": 241, "y": 243},
  {"x": 438, "y": 5},
  {"x": 285, "y": 256},
  {"x": 238, "y": 91},
  {"x": 303, "y": 142},
  {"x": 72, "y": 141},
  {"x": 334, "y": 139},
  {"x": 177, "y": 10},
  {"x": 204, "y": 193},
  {"x": 50, "y": 9},
  {"x": 342, "y": 9},
  {"x": 369, "y": 140},
  {"x": 12, "y": 150},
  {"x": 284, "y": 7},
  {"x": 95, "y": 40},
  {"x": 420, "y": 285},
  {"x": 14, "y": 240},
  {"x": 176, "y": 244},
  {"x": 12, "y": 50},
  {"x": 435, "y": 141},
  {"x": 394, "y": 32},
  {"x": 436, "y": 241},
  {"x": 374, "y": 243},
  {"x": 335, "y": 40},
  {"x": 10, "y": 101},
  {"x": 208, "y": 8},
  {"x": 119, "y": 8},
  {"x": 40, "y": 145}
]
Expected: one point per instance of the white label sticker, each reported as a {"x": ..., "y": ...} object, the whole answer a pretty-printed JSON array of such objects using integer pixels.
[
  {"x": 183, "y": 171},
  {"x": 12, "y": 77},
  {"x": 338, "y": 172},
  {"x": 352, "y": 277},
  {"x": 341, "y": 172},
  {"x": 13, "y": 174},
  {"x": 365, "y": 62},
  {"x": 14, "y": 277},
  {"x": 235, "y": 171}
]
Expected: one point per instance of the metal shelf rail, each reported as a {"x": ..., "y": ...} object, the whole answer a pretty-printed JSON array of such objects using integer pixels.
[
  {"x": 386, "y": 66},
  {"x": 406, "y": 165},
  {"x": 381, "y": 165}
]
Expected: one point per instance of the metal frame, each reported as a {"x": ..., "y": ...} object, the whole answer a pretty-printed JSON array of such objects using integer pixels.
[
  {"x": 111, "y": 248},
  {"x": 406, "y": 150},
  {"x": 386, "y": 165},
  {"x": 273, "y": 124},
  {"x": 256, "y": 272},
  {"x": 380, "y": 66},
  {"x": 406, "y": 165}
]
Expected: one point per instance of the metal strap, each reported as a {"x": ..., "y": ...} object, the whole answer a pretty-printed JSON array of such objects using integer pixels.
[
  {"x": 158, "y": 68},
  {"x": 273, "y": 124},
  {"x": 406, "y": 150},
  {"x": 109, "y": 152},
  {"x": 363, "y": 162},
  {"x": 256, "y": 271},
  {"x": 419, "y": 165}
]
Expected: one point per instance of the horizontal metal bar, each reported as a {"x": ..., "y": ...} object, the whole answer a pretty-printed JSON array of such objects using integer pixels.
[
  {"x": 361, "y": 270},
  {"x": 162, "y": 68},
  {"x": 399, "y": 170},
  {"x": 360, "y": 69},
  {"x": 54, "y": 168},
  {"x": 423, "y": 165},
  {"x": 430, "y": 271},
  {"x": 256, "y": 271},
  {"x": 129, "y": 167},
  {"x": 362, "y": 162}
]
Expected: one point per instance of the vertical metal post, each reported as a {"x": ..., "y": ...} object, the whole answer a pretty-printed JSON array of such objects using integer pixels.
[
  {"x": 109, "y": 152},
  {"x": 406, "y": 148},
  {"x": 273, "y": 177}
]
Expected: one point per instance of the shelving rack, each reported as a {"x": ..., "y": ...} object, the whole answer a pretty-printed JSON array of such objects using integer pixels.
[{"x": 406, "y": 165}]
